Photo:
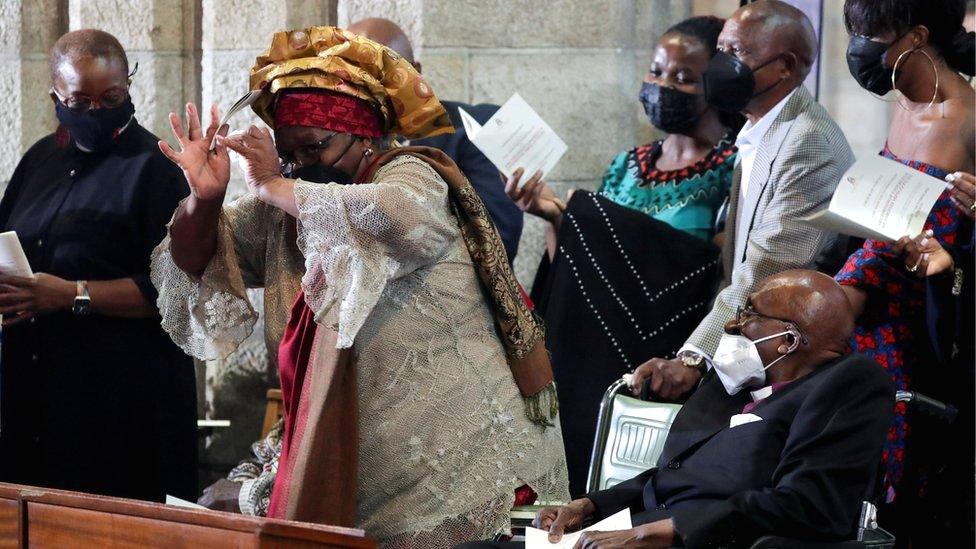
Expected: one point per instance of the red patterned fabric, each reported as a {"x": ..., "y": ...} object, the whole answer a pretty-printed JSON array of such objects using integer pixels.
[{"x": 325, "y": 109}]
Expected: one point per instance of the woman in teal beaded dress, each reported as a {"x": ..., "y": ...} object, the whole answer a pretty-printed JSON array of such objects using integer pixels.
[{"x": 630, "y": 269}]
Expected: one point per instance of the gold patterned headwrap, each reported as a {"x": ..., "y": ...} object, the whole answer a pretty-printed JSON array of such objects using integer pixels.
[{"x": 335, "y": 59}]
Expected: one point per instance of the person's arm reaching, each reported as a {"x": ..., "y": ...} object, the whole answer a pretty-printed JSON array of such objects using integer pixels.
[{"x": 193, "y": 233}]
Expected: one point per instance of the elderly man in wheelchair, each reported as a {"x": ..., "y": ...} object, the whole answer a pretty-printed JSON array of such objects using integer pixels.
[{"x": 782, "y": 437}]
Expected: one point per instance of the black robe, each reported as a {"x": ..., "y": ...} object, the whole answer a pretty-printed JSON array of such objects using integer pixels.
[{"x": 96, "y": 404}]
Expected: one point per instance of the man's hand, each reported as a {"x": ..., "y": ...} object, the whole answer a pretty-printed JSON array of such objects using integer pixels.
[
  {"x": 669, "y": 378},
  {"x": 222, "y": 496},
  {"x": 560, "y": 519},
  {"x": 655, "y": 535},
  {"x": 23, "y": 298}
]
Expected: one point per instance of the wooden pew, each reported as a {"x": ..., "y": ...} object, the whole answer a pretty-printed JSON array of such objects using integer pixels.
[{"x": 41, "y": 518}]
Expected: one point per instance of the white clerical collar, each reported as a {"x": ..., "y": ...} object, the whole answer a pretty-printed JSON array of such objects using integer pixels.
[{"x": 752, "y": 134}]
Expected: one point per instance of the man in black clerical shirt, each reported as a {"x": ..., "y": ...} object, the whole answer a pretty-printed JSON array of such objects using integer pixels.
[
  {"x": 93, "y": 394},
  {"x": 783, "y": 437}
]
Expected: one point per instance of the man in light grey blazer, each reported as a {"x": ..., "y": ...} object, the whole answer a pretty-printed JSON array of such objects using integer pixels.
[{"x": 791, "y": 157}]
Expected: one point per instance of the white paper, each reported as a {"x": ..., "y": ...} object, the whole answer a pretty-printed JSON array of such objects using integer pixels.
[
  {"x": 516, "y": 137},
  {"x": 245, "y": 101},
  {"x": 175, "y": 501},
  {"x": 880, "y": 199},
  {"x": 539, "y": 539},
  {"x": 13, "y": 262}
]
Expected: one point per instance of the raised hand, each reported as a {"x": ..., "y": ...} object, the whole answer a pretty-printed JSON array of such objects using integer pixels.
[
  {"x": 261, "y": 165},
  {"x": 207, "y": 172},
  {"x": 535, "y": 197}
]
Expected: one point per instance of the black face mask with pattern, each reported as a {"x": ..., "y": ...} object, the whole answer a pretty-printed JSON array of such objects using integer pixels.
[{"x": 670, "y": 110}]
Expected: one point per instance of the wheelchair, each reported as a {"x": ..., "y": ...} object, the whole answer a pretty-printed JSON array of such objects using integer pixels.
[{"x": 630, "y": 435}]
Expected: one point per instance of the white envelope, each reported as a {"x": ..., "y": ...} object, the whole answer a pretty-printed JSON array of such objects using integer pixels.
[{"x": 742, "y": 419}]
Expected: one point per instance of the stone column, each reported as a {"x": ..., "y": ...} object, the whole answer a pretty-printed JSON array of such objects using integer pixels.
[
  {"x": 28, "y": 29},
  {"x": 162, "y": 36}
]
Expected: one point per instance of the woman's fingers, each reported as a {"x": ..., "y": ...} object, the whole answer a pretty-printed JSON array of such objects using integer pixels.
[
  {"x": 177, "y": 126},
  {"x": 899, "y": 246},
  {"x": 213, "y": 126},
  {"x": 923, "y": 266},
  {"x": 193, "y": 122},
  {"x": 168, "y": 152},
  {"x": 512, "y": 186}
]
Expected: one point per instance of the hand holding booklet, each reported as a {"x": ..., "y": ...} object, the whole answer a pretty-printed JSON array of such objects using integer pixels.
[
  {"x": 13, "y": 262},
  {"x": 880, "y": 199},
  {"x": 516, "y": 137},
  {"x": 539, "y": 539}
]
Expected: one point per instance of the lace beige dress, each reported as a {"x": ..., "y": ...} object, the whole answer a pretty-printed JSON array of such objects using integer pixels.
[{"x": 444, "y": 438}]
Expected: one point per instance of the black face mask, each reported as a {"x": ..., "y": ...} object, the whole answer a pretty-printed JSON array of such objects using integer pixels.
[
  {"x": 323, "y": 173},
  {"x": 730, "y": 84},
  {"x": 865, "y": 59},
  {"x": 670, "y": 110},
  {"x": 320, "y": 173},
  {"x": 95, "y": 130}
]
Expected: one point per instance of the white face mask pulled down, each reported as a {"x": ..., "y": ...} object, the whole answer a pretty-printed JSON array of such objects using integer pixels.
[{"x": 738, "y": 364}]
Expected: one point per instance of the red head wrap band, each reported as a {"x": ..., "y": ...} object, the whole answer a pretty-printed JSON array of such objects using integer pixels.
[{"x": 325, "y": 109}]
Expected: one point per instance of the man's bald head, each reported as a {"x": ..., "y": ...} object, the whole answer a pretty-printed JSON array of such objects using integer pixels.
[
  {"x": 385, "y": 32},
  {"x": 813, "y": 301},
  {"x": 86, "y": 44},
  {"x": 772, "y": 27}
]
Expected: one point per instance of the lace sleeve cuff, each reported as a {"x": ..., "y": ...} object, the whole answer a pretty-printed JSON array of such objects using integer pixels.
[{"x": 207, "y": 318}]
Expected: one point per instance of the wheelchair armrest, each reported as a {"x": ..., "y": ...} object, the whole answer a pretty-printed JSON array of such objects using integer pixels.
[{"x": 780, "y": 542}]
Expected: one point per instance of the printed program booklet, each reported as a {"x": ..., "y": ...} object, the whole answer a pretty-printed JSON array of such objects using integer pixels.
[
  {"x": 880, "y": 199},
  {"x": 516, "y": 137}
]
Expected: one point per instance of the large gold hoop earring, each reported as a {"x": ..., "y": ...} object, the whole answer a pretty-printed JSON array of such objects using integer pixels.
[{"x": 935, "y": 69}]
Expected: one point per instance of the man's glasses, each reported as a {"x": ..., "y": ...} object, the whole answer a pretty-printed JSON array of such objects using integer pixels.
[
  {"x": 112, "y": 98},
  {"x": 744, "y": 314}
]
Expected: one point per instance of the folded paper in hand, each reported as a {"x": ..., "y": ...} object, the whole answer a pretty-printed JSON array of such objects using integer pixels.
[
  {"x": 880, "y": 199},
  {"x": 245, "y": 101},
  {"x": 516, "y": 137},
  {"x": 13, "y": 262},
  {"x": 539, "y": 539}
]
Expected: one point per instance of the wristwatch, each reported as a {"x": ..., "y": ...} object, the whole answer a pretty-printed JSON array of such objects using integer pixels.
[
  {"x": 694, "y": 360},
  {"x": 82, "y": 303}
]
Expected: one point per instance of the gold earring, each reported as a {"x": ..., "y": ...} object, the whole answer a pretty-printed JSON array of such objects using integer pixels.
[
  {"x": 935, "y": 69},
  {"x": 368, "y": 153},
  {"x": 783, "y": 349}
]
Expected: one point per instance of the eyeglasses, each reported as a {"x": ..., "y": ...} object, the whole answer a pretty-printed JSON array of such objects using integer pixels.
[
  {"x": 291, "y": 161},
  {"x": 111, "y": 98},
  {"x": 744, "y": 314}
]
